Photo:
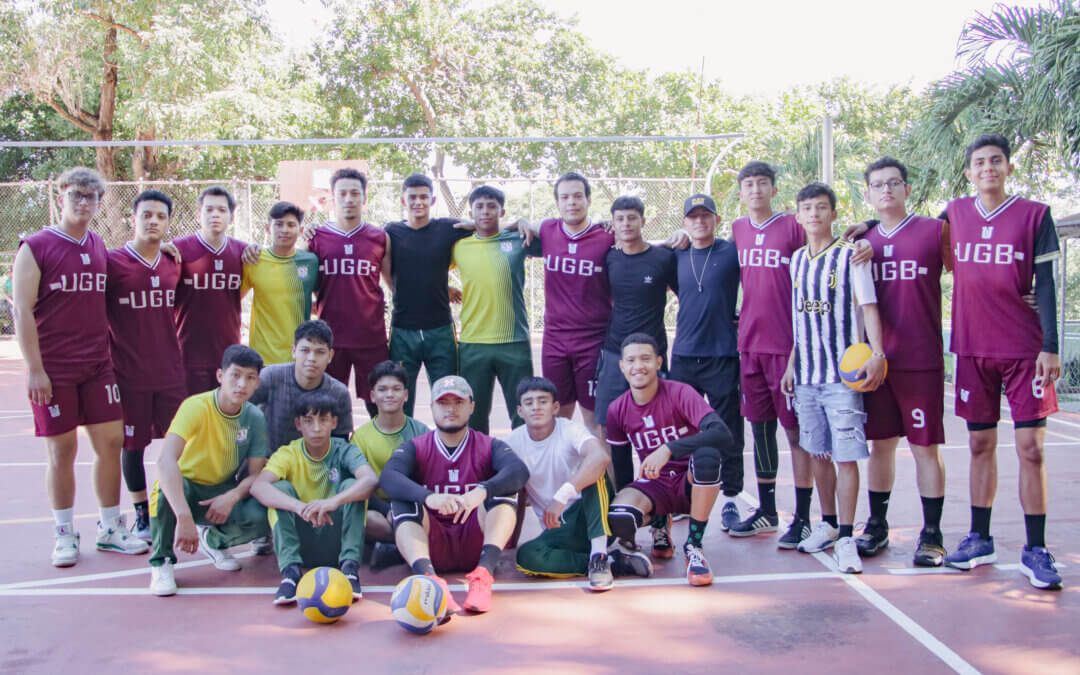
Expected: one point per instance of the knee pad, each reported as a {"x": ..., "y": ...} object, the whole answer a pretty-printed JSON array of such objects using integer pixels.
[
  {"x": 406, "y": 512},
  {"x": 705, "y": 466},
  {"x": 131, "y": 461},
  {"x": 624, "y": 520}
]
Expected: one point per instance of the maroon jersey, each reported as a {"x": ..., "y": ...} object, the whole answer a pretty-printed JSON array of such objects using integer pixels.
[
  {"x": 576, "y": 290},
  {"x": 675, "y": 412},
  {"x": 994, "y": 258},
  {"x": 440, "y": 471},
  {"x": 70, "y": 307},
  {"x": 907, "y": 278},
  {"x": 208, "y": 299},
  {"x": 140, "y": 300},
  {"x": 764, "y": 258},
  {"x": 349, "y": 297}
]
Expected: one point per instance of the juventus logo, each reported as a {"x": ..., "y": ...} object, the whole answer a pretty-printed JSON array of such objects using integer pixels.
[
  {"x": 453, "y": 475},
  {"x": 987, "y": 231},
  {"x": 832, "y": 279},
  {"x": 219, "y": 265},
  {"x": 572, "y": 249},
  {"x": 649, "y": 422},
  {"x": 888, "y": 250},
  {"x": 348, "y": 249},
  {"x": 155, "y": 282},
  {"x": 759, "y": 240},
  {"x": 85, "y": 258}
]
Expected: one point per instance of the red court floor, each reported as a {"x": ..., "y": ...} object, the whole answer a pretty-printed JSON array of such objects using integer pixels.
[{"x": 769, "y": 610}]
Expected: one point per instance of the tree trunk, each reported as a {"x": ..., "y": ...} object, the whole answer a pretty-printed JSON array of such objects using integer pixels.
[
  {"x": 111, "y": 216},
  {"x": 437, "y": 173},
  {"x": 144, "y": 159}
]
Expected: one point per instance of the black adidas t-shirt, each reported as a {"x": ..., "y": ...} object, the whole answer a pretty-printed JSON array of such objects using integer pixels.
[
  {"x": 419, "y": 272},
  {"x": 639, "y": 285}
]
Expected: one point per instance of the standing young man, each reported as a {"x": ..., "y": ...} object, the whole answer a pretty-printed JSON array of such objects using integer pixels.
[
  {"x": 60, "y": 321},
  {"x": 494, "y": 322},
  {"x": 832, "y": 301},
  {"x": 1003, "y": 247},
  {"x": 284, "y": 280},
  {"x": 353, "y": 255},
  {"x": 454, "y": 493},
  {"x": 140, "y": 299},
  {"x": 422, "y": 329},
  {"x": 208, "y": 295},
  {"x": 680, "y": 441}
]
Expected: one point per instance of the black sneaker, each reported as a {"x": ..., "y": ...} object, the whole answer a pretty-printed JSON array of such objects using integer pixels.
[
  {"x": 931, "y": 549},
  {"x": 799, "y": 530},
  {"x": 286, "y": 592},
  {"x": 757, "y": 522},
  {"x": 351, "y": 570},
  {"x": 874, "y": 538},
  {"x": 630, "y": 563},
  {"x": 384, "y": 554},
  {"x": 600, "y": 576},
  {"x": 729, "y": 516}
]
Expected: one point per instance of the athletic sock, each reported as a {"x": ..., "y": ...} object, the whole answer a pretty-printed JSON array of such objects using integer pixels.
[
  {"x": 879, "y": 504},
  {"x": 489, "y": 557},
  {"x": 423, "y": 566},
  {"x": 110, "y": 515},
  {"x": 696, "y": 532},
  {"x": 142, "y": 510},
  {"x": 829, "y": 519},
  {"x": 767, "y": 497},
  {"x": 598, "y": 544},
  {"x": 64, "y": 516},
  {"x": 846, "y": 531},
  {"x": 931, "y": 512},
  {"x": 980, "y": 521},
  {"x": 1035, "y": 524},
  {"x": 659, "y": 522},
  {"x": 802, "y": 502}
]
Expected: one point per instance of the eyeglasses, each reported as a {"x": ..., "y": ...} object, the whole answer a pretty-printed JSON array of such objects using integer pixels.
[
  {"x": 75, "y": 196},
  {"x": 879, "y": 186}
]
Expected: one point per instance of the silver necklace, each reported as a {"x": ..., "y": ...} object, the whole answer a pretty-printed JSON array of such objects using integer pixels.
[{"x": 703, "y": 267}]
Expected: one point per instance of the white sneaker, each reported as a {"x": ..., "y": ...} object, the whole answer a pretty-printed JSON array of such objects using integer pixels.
[
  {"x": 66, "y": 551},
  {"x": 846, "y": 555},
  {"x": 162, "y": 580},
  {"x": 822, "y": 537},
  {"x": 119, "y": 539},
  {"x": 223, "y": 560}
]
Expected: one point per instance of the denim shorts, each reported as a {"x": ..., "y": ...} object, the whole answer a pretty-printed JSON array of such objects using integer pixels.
[{"x": 831, "y": 420}]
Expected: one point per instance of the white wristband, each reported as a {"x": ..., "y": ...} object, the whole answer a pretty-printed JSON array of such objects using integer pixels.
[{"x": 565, "y": 493}]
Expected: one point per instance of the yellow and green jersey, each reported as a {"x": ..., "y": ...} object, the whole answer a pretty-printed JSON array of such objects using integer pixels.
[
  {"x": 493, "y": 278},
  {"x": 215, "y": 444},
  {"x": 316, "y": 478},
  {"x": 378, "y": 445},
  {"x": 282, "y": 301}
]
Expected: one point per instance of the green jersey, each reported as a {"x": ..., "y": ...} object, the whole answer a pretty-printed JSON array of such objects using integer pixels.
[{"x": 493, "y": 279}]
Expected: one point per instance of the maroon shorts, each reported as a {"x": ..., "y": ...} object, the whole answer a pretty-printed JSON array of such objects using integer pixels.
[
  {"x": 358, "y": 361},
  {"x": 909, "y": 403},
  {"x": 147, "y": 414},
  {"x": 92, "y": 401},
  {"x": 669, "y": 493},
  {"x": 978, "y": 390},
  {"x": 454, "y": 546},
  {"x": 762, "y": 399},
  {"x": 569, "y": 360},
  {"x": 200, "y": 380}
]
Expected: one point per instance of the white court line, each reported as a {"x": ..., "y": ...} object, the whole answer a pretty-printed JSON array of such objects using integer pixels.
[
  {"x": 16, "y": 464},
  {"x": 923, "y": 636},
  {"x": 921, "y": 571},
  {"x": 107, "y": 575}
]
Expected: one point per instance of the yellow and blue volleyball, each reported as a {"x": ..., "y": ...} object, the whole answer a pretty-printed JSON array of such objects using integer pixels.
[
  {"x": 324, "y": 594},
  {"x": 854, "y": 358},
  {"x": 418, "y": 604}
]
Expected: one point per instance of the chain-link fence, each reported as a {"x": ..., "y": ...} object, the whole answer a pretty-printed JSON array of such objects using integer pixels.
[{"x": 27, "y": 207}]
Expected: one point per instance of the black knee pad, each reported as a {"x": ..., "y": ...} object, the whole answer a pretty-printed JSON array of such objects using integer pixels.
[
  {"x": 705, "y": 466},
  {"x": 131, "y": 461},
  {"x": 406, "y": 512},
  {"x": 624, "y": 521}
]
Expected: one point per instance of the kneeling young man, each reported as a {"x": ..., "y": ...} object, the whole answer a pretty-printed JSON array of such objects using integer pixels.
[
  {"x": 315, "y": 490},
  {"x": 680, "y": 440},
  {"x": 212, "y": 436},
  {"x": 453, "y": 495},
  {"x": 569, "y": 491}
]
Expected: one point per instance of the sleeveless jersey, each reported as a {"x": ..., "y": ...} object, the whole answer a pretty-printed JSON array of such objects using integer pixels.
[
  {"x": 440, "y": 471},
  {"x": 70, "y": 307},
  {"x": 208, "y": 299},
  {"x": 577, "y": 297},
  {"x": 675, "y": 412},
  {"x": 349, "y": 296},
  {"x": 765, "y": 251}
]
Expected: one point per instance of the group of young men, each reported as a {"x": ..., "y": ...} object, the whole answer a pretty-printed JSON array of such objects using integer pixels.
[{"x": 259, "y": 441}]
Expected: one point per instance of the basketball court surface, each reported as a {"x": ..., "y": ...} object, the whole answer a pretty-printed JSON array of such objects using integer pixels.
[{"x": 767, "y": 611}]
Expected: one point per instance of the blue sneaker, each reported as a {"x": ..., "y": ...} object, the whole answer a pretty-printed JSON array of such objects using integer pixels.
[
  {"x": 972, "y": 552},
  {"x": 1038, "y": 566}
]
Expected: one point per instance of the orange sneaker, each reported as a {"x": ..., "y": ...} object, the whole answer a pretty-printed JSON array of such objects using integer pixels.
[
  {"x": 479, "y": 598},
  {"x": 697, "y": 567},
  {"x": 451, "y": 605}
]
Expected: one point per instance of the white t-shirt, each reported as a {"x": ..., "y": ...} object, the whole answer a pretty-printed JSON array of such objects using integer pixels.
[{"x": 552, "y": 461}]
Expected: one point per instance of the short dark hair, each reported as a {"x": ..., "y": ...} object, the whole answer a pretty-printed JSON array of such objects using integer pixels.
[
  {"x": 314, "y": 330},
  {"x": 572, "y": 176},
  {"x": 640, "y": 339},
  {"x": 348, "y": 172},
  {"x": 996, "y": 140},
  {"x": 282, "y": 209},
  {"x": 487, "y": 192},
  {"x": 314, "y": 403},
  {"x": 817, "y": 189},
  {"x": 417, "y": 180},
  {"x": 536, "y": 384},
  {"x": 217, "y": 191},
  {"x": 241, "y": 356},
  {"x": 152, "y": 196},
  {"x": 388, "y": 369},
  {"x": 757, "y": 168},
  {"x": 628, "y": 203},
  {"x": 884, "y": 163}
]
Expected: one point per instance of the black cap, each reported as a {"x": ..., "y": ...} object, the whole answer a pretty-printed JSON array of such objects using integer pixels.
[{"x": 697, "y": 200}]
